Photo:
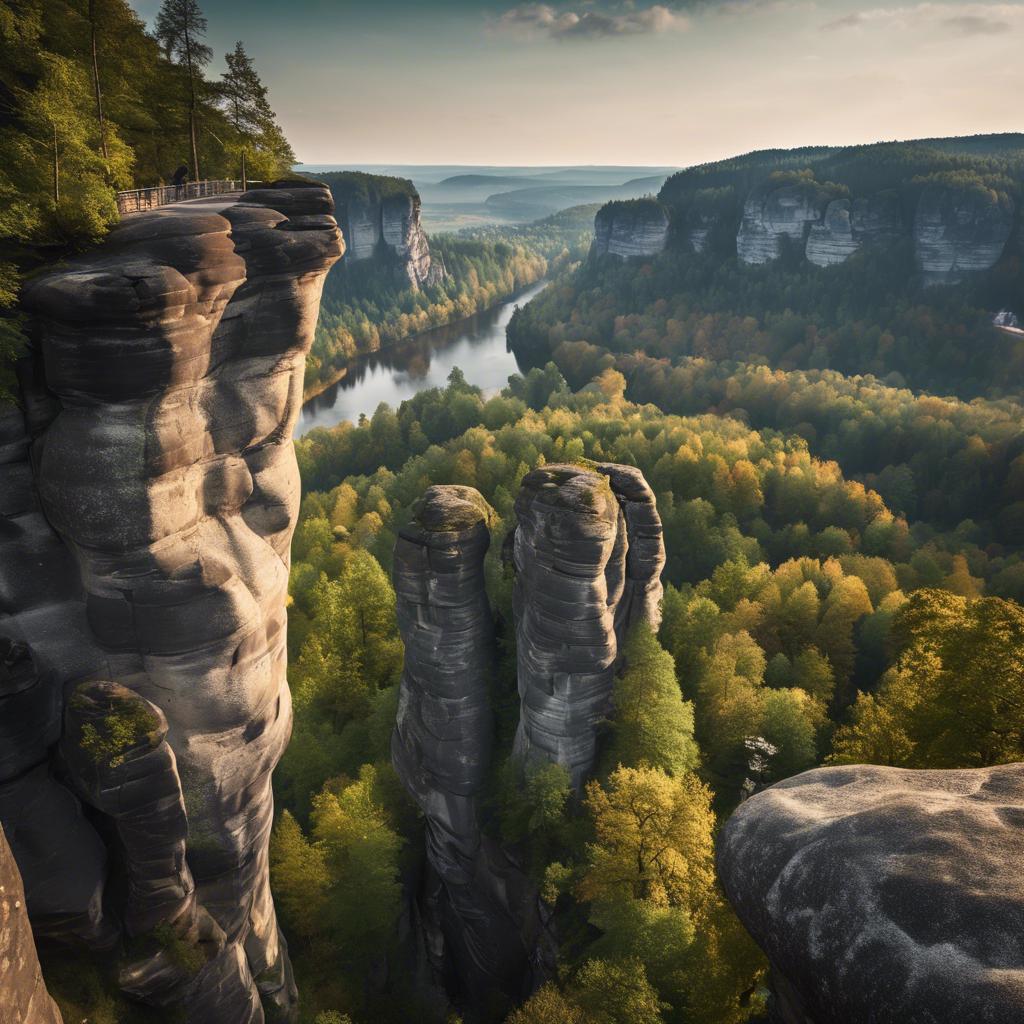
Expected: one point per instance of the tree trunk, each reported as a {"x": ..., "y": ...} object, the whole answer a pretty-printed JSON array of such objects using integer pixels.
[
  {"x": 56, "y": 169},
  {"x": 96, "y": 83},
  {"x": 245, "y": 183},
  {"x": 192, "y": 106}
]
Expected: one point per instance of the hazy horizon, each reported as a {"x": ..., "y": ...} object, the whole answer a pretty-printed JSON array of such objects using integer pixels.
[{"x": 600, "y": 82}]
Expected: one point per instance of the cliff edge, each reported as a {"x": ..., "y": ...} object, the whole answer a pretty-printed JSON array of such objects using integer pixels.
[{"x": 150, "y": 491}]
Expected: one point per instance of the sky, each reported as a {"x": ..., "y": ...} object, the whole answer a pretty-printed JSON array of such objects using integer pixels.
[{"x": 621, "y": 81}]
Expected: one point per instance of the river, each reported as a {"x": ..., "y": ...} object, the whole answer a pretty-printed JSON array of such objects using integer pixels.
[{"x": 476, "y": 346}]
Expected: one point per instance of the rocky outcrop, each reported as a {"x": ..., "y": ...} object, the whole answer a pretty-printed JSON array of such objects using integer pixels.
[
  {"x": 960, "y": 230},
  {"x": 23, "y": 995},
  {"x": 588, "y": 555},
  {"x": 885, "y": 895},
  {"x": 773, "y": 212},
  {"x": 380, "y": 217},
  {"x": 441, "y": 747},
  {"x": 849, "y": 225},
  {"x": 631, "y": 229},
  {"x": 160, "y": 399}
]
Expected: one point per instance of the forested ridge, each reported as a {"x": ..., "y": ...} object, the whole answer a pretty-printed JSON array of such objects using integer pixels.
[{"x": 91, "y": 102}]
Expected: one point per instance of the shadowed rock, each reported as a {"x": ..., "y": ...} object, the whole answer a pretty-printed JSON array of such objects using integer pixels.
[
  {"x": 773, "y": 212},
  {"x": 23, "y": 995},
  {"x": 441, "y": 747},
  {"x": 960, "y": 231},
  {"x": 166, "y": 379},
  {"x": 884, "y": 895},
  {"x": 588, "y": 555},
  {"x": 631, "y": 228}
]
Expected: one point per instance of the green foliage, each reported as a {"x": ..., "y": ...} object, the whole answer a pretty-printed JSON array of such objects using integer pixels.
[
  {"x": 954, "y": 698},
  {"x": 651, "y": 725},
  {"x": 129, "y": 725}
]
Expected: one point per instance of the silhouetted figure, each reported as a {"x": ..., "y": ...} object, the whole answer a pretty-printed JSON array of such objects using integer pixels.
[{"x": 179, "y": 179}]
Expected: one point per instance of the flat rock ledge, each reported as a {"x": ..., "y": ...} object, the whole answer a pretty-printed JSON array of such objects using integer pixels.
[{"x": 885, "y": 895}]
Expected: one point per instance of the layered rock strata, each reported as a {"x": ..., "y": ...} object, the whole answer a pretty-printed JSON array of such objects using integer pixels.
[
  {"x": 847, "y": 226},
  {"x": 960, "y": 231},
  {"x": 166, "y": 380},
  {"x": 774, "y": 212},
  {"x": 631, "y": 229},
  {"x": 391, "y": 227},
  {"x": 588, "y": 555},
  {"x": 23, "y": 995},
  {"x": 885, "y": 895},
  {"x": 441, "y": 747}
]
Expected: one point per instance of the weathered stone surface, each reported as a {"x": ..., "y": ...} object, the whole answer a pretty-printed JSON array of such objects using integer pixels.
[
  {"x": 175, "y": 352},
  {"x": 885, "y": 895},
  {"x": 390, "y": 227},
  {"x": 832, "y": 241},
  {"x": 588, "y": 554},
  {"x": 959, "y": 231},
  {"x": 23, "y": 995},
  {"x": 441, "y": 747},
  {"x": 773, "y": 212},
  {"x": 631, "y": 229},
  {"x": 645, "y": 548}
]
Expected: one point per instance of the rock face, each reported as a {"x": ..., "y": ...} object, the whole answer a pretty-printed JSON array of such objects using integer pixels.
[
  {"x": 588, "y": 555},
  {"x": 630, "y": 229},
  {"x": 959, "y": 231},
  {"x": 885, "y": 895},
  {"x": 773, "y": 212},
  {"x": 441, "y": 747},
  {"x": 389, "y": 229},
  {"x": 23, "y": 995},
  {"x": 849, "y": 225},
  {"x": 160, "y": 400}
]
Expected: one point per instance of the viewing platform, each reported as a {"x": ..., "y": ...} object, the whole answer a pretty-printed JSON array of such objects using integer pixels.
[{"x": 138, "y": 200}]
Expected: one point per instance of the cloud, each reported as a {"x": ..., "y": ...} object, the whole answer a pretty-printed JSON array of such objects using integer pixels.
[
  {"x": 968, "y": 19},
  {"x": 544, "y": 19}
]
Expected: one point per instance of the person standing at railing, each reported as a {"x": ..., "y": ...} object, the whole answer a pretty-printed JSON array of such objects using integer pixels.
[{"x": 179, "y": 179}]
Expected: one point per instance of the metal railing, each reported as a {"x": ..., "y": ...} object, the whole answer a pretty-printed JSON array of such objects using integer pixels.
[{"x": 138, "y": 199}]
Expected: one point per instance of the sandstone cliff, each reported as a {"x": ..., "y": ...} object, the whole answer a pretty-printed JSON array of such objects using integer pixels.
[
  {"x": 631, "y": 228},
  {"x": 145, "y": 540},
  {"x": 884, "y": 895},
  {"x": 380, "y": 218},
  {"x": 23, "y": 995},
  {"x": 959, "y": 231}
]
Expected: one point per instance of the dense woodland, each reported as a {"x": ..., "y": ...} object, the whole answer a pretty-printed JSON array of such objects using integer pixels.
[
  {"x": 364, "y": 307},
  {"x": 91, "y": 102},
  {"x": 838, "y": 460}
]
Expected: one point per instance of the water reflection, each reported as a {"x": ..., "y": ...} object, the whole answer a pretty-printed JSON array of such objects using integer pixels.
[{"x": 476, "y": 346}]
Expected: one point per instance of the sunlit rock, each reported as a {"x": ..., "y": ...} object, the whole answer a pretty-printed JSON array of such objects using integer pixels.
[{"x": 173, "y": 355}]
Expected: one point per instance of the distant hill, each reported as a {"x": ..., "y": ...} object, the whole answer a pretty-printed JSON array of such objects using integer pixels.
[{"x": 539, "y": 201}]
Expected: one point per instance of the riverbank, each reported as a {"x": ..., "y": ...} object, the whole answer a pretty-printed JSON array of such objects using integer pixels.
[
  {"x": 397, "y": 372},
  {"x": 462, "y": 325}
]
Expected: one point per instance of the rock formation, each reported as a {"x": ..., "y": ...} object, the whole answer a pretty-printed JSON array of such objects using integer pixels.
[
  {"x": 380, "y": 217},
  {"x": 631, "y": 228},
  {"x": 441, "y": 747},
  {"x": 23, "y": 995},
  {"x": 588, "y": 555},
  {"x": 849, "y": 225},
  {"x": 156, "y": 441},
  {"x": 885, "y": 895},
  {"x": 773, "y": 212},
  {"x": 959, "y": 231}
]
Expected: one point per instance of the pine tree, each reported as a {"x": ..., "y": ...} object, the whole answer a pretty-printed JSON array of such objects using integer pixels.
[{"x": 180, "y": 27}]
